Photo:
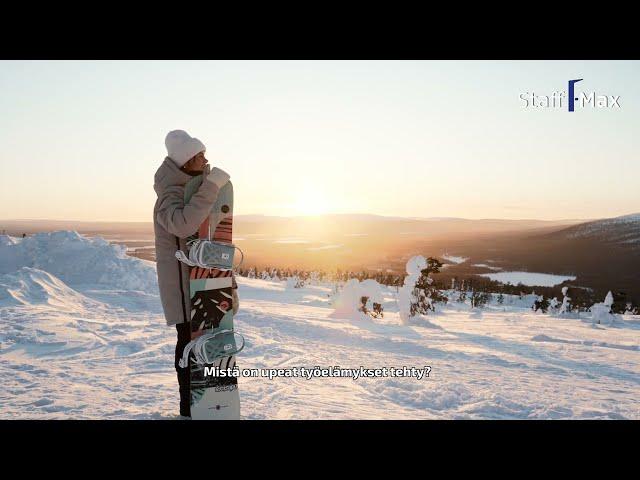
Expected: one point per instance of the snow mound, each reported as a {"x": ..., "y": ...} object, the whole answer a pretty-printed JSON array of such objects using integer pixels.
[
  {"x": 349, "y": 301},
  {"x": 78, "y": 260},
  {"x": 30, "y": 286}
]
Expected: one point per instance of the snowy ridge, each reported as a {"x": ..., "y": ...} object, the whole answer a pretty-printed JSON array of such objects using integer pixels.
[
  {"x": 633, "y": 217},
  {"x": 621, "y": 230}
]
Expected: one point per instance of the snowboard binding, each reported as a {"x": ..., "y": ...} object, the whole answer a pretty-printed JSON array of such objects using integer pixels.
[
  {"x": 210, "y": 254},
  {"x": 211, "y": 346}
]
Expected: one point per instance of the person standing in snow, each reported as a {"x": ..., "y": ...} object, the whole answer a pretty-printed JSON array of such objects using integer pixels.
[{"x": 174, "y": 221}]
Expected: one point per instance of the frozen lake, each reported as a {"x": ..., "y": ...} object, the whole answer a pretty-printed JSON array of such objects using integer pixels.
[{"x": 530, "y": 279}]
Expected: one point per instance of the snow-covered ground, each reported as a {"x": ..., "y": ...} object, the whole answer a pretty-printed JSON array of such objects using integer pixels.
[{"x": 89, "y": 345}]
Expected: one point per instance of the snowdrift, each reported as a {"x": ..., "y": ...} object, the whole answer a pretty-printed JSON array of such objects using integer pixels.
[
  {"x": 78, "y": 260},
  {"x": 30, "y": 286}
]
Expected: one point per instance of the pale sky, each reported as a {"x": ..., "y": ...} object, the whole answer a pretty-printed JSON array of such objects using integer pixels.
[{"x": 82, "y": 140}]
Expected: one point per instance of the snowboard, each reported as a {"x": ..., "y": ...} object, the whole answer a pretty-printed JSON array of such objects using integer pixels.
[{"x": 212, "y": 397}]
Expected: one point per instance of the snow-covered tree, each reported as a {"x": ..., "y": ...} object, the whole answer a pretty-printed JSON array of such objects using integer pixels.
[
  {"x": 274, "y": 275},
  {"x": 418, "y": 295},
  {"x": 608, "y": 301},
  {"x": 414, "y": 267},
  {"x": 478, "y": 299},
  {"x": 541, "y": 304},
  {"x": 295, "y": 282},
  {"x": 424, "y": 294},
  {"x": 566, "y": 301}
]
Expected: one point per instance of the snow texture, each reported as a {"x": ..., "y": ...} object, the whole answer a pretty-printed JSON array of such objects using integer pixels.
[{"x": 82, "y": 336}]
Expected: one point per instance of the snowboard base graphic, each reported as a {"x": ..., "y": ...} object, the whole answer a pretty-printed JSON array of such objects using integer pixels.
[
  {"x": 212, "y": 397},
  {"x": 220, "y": 400}
]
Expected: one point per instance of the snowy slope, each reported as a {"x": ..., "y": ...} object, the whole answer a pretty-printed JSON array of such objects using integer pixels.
[
  {"x": 617, "y": 230},
  {"x": 98, "y": 349}
]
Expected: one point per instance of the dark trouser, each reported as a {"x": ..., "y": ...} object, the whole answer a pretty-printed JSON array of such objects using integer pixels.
[{"x": 184, "y": 337}]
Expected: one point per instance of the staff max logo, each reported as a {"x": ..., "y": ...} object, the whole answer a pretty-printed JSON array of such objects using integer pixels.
[{"x": 570, "y": 99}]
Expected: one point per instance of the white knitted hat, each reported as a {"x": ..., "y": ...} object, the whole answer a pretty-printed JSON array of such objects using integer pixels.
[{"x": 181, "y": 146}]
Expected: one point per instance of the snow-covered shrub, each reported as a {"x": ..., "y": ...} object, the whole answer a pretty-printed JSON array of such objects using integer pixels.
[
  {"x": 371, "y": 300},
  {"x": 295, "y": 282},
  {"x": 630, "y": 309},
  {"x": 541, "y": 304},
  {"x": 601, "y": 312},
  {"x": 314, "y": 278},
  {"x": 356, "y": 299},
  {"x": 479, "y": 299}
]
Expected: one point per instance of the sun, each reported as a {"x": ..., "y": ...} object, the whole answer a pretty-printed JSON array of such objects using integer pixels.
[{"x": 310, "y": 201}]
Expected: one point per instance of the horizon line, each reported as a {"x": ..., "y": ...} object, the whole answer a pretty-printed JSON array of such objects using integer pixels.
[{"x": 331, "y": 214}]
